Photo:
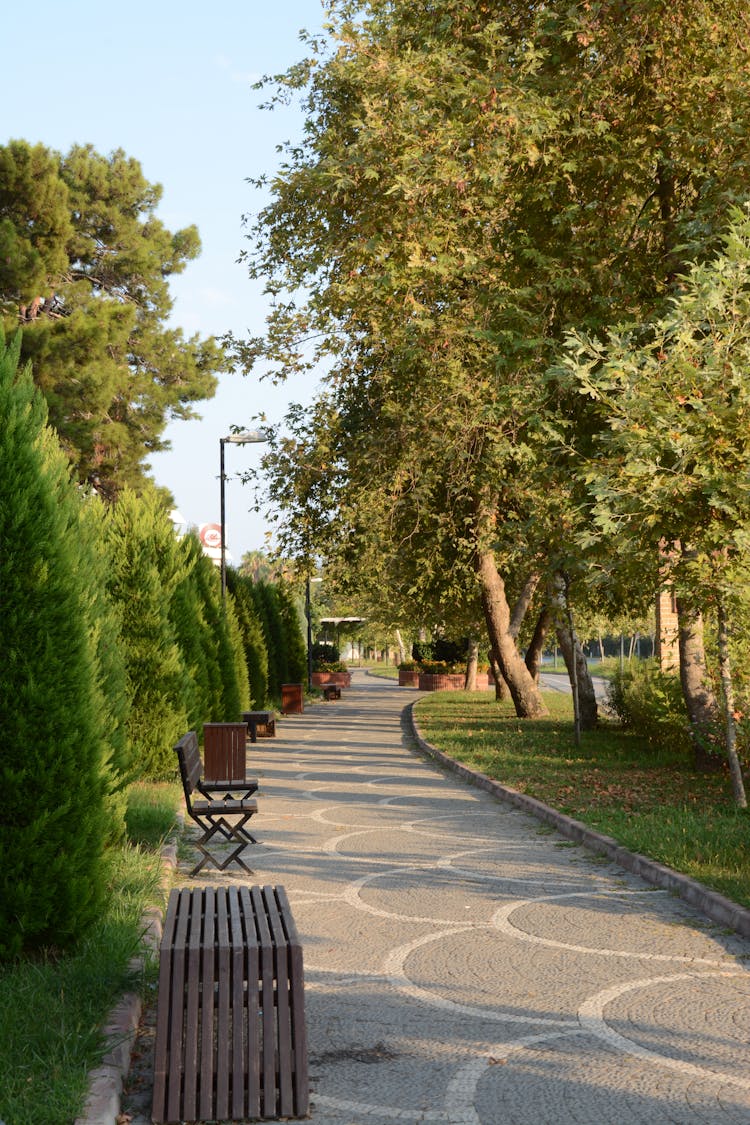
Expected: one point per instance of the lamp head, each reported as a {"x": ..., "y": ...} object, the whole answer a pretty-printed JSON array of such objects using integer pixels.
[{"x": 248, "y": 437}]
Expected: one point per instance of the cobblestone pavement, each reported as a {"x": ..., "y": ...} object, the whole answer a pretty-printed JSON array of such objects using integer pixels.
[{"x": 465, "y": 965}]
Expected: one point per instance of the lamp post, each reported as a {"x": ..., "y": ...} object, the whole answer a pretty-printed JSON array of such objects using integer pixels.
[
  {"x": 245, "y": 437},
  {"x": 308, "y": 615}
]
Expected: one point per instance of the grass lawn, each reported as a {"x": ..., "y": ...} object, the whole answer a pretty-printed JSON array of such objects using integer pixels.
[
  {"x": 384, "y": 671},
  {"x": 53, "y": 1006},
  {"x": 653, "y": 803}
]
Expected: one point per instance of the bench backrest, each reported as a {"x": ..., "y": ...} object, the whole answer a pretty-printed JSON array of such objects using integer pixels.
[
  {"x": 224, "y": 751},
  {"x": 189, "y": 758}
]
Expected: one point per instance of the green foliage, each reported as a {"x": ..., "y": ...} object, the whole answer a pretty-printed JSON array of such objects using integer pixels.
[
  {"x": 470, "y": 187},
  {"x": 147, "y": 566},
  {"x": 55, "y": 1006},
  {"x": 251, "y": 630},
  {"x": 57, "y": 760},
  {"x": 439, "y": 667},
  {"x": 265, "y": 597},
  {"x": 649, "y": 702},
  {"x": 295, "y": 652},
  {"x": 88, "y": 279},
  {"x": 329, "y": 666}
]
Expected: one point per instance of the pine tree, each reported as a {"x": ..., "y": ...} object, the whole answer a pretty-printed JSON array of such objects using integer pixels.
[{"x": 54, "y": 754}]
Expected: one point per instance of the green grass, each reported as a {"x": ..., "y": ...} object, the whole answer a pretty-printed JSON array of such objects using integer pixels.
[
  {"x": 53, "y": 1006},
  {"x": 384, "y": 671},
  {"x": 652, "y": 802}
]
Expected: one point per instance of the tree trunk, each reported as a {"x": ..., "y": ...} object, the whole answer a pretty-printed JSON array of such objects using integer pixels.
[
  {"x": 700, "y": 701},
  {"x": 536, "y": 644},
  {"x": 401, "y": 650},
  {"x": 524, "y": 692},
  {"x": 584, "y": 696},
  {"x": 502, "y": 691},
  {"x": 735, "y": 769},
  {"x": 470, "y": 683},
  {"x": 521, "y": 608}
]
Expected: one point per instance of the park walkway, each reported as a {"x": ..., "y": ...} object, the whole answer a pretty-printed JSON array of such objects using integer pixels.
[{"x": 467, "y": 966}]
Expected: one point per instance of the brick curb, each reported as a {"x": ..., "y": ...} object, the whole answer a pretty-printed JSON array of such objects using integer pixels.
[
  {"x": 713, "y": 905},
  {"x": 106, "y": 1081}
]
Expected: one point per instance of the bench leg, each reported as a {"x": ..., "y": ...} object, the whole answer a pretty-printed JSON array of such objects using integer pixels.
[{"x": 234, "y": 834}]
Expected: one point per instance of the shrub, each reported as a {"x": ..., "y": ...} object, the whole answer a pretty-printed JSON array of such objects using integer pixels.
[
  {"x": 438, "y": 667},
  {"x": 329, "y": 666},
  {"x": 650, "y": 703},
  {"x": 408, "y": 666}
]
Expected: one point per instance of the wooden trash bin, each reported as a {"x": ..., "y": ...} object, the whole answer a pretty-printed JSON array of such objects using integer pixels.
[
  {"x": 224, "y": 750},
  {"x": 292, "y": 699}
]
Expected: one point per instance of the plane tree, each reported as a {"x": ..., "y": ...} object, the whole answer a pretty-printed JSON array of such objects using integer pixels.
[
  {"x": 669, "y": 469},
  {"x": 473, "y": 182}
]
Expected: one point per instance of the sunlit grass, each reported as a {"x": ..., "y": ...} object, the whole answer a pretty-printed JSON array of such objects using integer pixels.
[
  {"x": 652, "y": 802},
  {"x": 54, "y": 1006}
]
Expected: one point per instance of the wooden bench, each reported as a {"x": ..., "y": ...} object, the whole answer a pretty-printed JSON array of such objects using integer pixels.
[
  {"x": 224, "y": 758},
  {"x": 331, "y": 691},
  {"x": 261, "y": 723},
  {"x": 231, "y": 1041},
  {"x": 225, "y": 817}
]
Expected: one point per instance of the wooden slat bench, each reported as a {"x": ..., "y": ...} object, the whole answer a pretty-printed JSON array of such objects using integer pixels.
[
  {"x": 231, "y": 1041},
  {"x": 260, "y": 723},
  {"x": 225, "y": 817}
]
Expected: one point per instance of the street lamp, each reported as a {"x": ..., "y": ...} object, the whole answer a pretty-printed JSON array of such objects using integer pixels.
[
  {"x": 245, "y": 437},
  {"x": 308, "y": 615}
]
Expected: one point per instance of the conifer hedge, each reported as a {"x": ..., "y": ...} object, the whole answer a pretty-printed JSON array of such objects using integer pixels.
[{"x": 56, "y": 754}]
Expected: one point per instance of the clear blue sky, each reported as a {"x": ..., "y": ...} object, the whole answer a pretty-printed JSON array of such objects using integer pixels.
[{"x": 171, "y": 84}]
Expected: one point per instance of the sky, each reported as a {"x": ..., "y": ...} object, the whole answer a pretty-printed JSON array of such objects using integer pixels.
[{"x": 171, "y": 84}]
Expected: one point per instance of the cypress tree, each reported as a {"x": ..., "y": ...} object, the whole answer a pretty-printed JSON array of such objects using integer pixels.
[
  {"x": 294, "y": 642},
  {"x": 111, "y": 676},
  {"x": 147, "y": 566},
  {"x": 256, "y": 657},
  {"x": 227, "y": 699},
  {"x": 195, "y": 640},
  {"x": 267, "y": 603},
  {"x": 55, "y": 774}
]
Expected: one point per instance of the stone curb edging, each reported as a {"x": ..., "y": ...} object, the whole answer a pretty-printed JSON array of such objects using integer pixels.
[
  {"x": 106, "y": 1081},
  {"x": 713, "y": 905}
]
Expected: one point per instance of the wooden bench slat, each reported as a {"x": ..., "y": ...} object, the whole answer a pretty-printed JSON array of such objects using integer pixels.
[
  {"x": 297, "y": 1004},
  {"x": 253, "y": 1004},
  {"x": 193, "y": 1009},
  {"x": 161, "y": 1045},
  {"x": 207, "y": 1009},
  {"x": 223, "y": 1009}
]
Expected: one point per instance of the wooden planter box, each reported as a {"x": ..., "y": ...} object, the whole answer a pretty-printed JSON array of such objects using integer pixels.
[
  {"x": 408, "y": 679},
  {"x": 444, "y": 681}
]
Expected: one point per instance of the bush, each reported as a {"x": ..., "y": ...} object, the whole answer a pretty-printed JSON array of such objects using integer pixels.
[
  {"x": 329, "y": 666},
  {"x": 650, "y": 703},
  {"x": 439, "y": 667},
  {"x": 408, "y": 666}
]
